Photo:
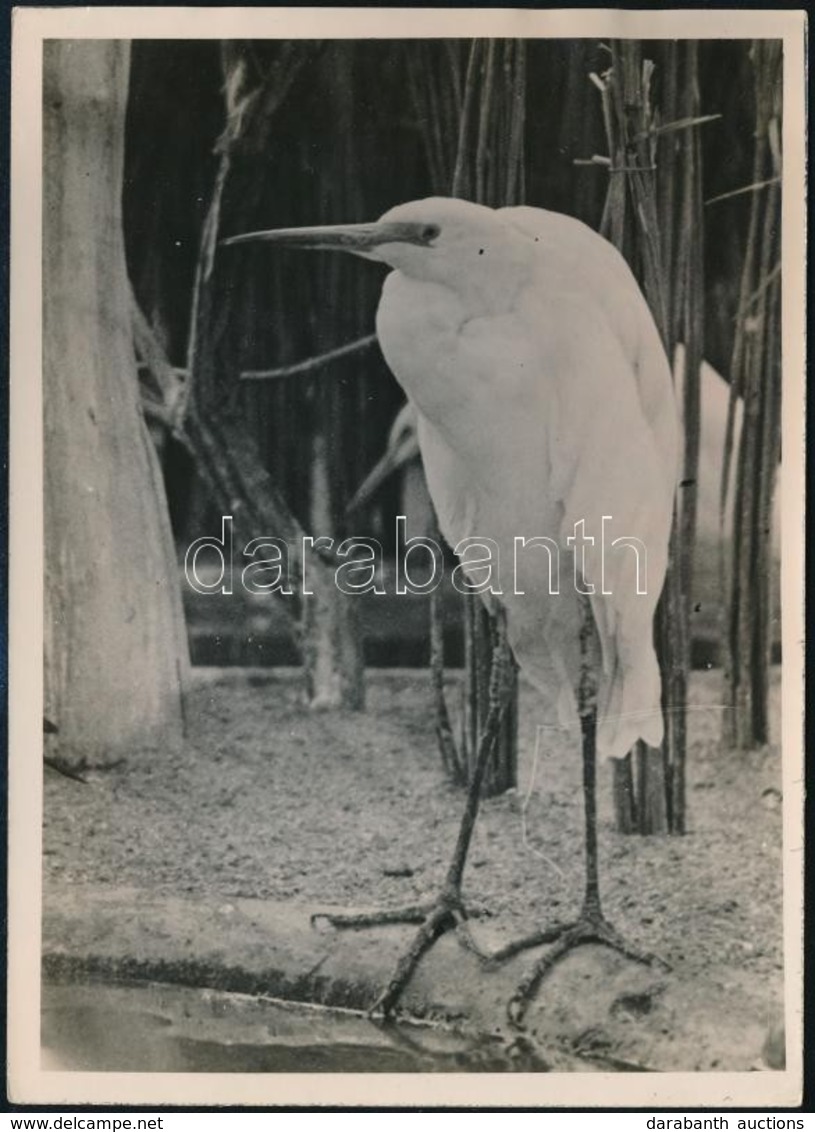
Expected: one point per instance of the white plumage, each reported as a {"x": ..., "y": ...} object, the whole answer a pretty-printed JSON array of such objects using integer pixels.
[{"x": 544, "y": 398}]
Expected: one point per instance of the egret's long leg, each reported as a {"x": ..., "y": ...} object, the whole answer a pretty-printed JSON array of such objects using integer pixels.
[
  {"x": 591, "y": 926},
  {"x": 448, "y": 911}
]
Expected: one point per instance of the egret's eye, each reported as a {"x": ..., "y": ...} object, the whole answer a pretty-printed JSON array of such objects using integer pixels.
[{"x": 430, "y": 232}]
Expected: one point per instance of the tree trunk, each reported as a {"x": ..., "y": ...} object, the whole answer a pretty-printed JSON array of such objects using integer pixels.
[
  {"x": 333, "y": 661},
  {"x": 115, "y": 648}
]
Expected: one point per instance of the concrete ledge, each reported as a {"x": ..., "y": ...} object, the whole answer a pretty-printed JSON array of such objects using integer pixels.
[{"x": 595, "y": 1010}]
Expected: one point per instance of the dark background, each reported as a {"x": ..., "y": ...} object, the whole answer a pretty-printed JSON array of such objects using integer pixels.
[{"x": 345, "y": 145}]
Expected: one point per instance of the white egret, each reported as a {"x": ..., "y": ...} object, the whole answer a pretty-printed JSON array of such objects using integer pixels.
[{"x": 545, "y": 413}]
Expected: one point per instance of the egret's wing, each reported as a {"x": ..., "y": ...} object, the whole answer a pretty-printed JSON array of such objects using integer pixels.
[
  {"x": 450, "y": 485},
  {"x": 616, "y": 397},
  {"x": 609, "y": 474},
  {"x": 574, "y": 252}
]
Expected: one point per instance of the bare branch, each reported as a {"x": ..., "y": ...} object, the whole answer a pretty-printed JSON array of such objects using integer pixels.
[{"x": 310, "y": 365}]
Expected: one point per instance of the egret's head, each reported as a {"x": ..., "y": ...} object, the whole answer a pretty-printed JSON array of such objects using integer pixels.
[
  {"x": 456, "y": 236},
  {"x": 439, "y": 239}
]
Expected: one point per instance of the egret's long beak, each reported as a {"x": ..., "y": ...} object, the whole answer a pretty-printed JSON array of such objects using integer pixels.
[{"x": 358, "y": 238}]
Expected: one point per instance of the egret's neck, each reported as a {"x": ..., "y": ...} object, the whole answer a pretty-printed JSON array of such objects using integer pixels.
[{"x": 441, "y": 319}]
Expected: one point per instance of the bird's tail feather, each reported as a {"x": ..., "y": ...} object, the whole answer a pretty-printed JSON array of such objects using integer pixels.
[{"x": 630, "y": 709}]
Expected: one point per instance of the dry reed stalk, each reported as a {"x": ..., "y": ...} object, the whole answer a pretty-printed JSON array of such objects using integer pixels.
[
  {"x": 226, "y": 455},
  {"x": 653, "y": 214},
  {"x": 756, "y": 378}
]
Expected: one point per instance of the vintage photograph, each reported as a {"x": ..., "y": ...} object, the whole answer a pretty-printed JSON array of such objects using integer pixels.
[{"x": 413, "y": 650}]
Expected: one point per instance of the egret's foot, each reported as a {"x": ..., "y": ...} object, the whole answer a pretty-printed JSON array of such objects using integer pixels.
[
  {"x": 591, "y": 927},
  {"x": 446, "y": 913}
]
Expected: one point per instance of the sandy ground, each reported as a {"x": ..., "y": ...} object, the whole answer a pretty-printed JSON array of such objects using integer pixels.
[{"x": 271, "y": 802}]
